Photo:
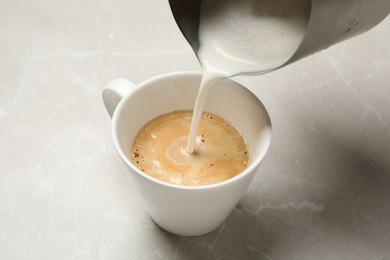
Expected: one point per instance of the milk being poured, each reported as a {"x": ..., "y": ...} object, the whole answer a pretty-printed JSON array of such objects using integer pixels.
[{"x": 244, "y": 37}]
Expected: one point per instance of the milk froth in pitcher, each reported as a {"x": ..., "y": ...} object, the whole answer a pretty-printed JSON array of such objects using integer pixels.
[{"x": 243, "y": 37}]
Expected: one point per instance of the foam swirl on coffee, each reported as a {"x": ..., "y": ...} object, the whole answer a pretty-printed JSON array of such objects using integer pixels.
[{"x": 160, "y": 150}]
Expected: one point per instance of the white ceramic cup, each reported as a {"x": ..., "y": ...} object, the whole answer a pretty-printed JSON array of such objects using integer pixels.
[{"x": 186, "y": 210}]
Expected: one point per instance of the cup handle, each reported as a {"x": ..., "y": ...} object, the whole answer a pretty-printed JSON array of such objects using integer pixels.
[{"x": 114, "y": 92}]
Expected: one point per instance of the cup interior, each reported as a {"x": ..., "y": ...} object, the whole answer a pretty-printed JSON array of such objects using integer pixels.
[{"x": 178, "y": 91}]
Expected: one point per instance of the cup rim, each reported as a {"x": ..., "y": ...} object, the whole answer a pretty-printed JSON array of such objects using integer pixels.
[{"x": 252, "y": 167}]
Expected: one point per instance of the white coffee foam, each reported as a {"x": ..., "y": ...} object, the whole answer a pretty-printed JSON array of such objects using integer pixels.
[{"x": 250, "y": 35}]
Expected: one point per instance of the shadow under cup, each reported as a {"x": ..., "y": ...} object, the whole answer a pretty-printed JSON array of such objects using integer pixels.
[{"x": 193, "y": 210}]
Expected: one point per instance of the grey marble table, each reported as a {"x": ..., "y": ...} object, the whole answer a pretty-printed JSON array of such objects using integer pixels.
[{"x": 323, "y": 191}]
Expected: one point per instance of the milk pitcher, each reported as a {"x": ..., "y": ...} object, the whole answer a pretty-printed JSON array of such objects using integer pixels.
[{"x": 329, "y": 22}]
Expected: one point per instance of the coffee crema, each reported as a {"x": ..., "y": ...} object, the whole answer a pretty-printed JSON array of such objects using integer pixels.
[{"x": 159, "y": 150}]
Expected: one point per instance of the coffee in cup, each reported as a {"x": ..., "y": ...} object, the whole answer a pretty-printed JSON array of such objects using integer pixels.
[{"x": 159, "y": 150}]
